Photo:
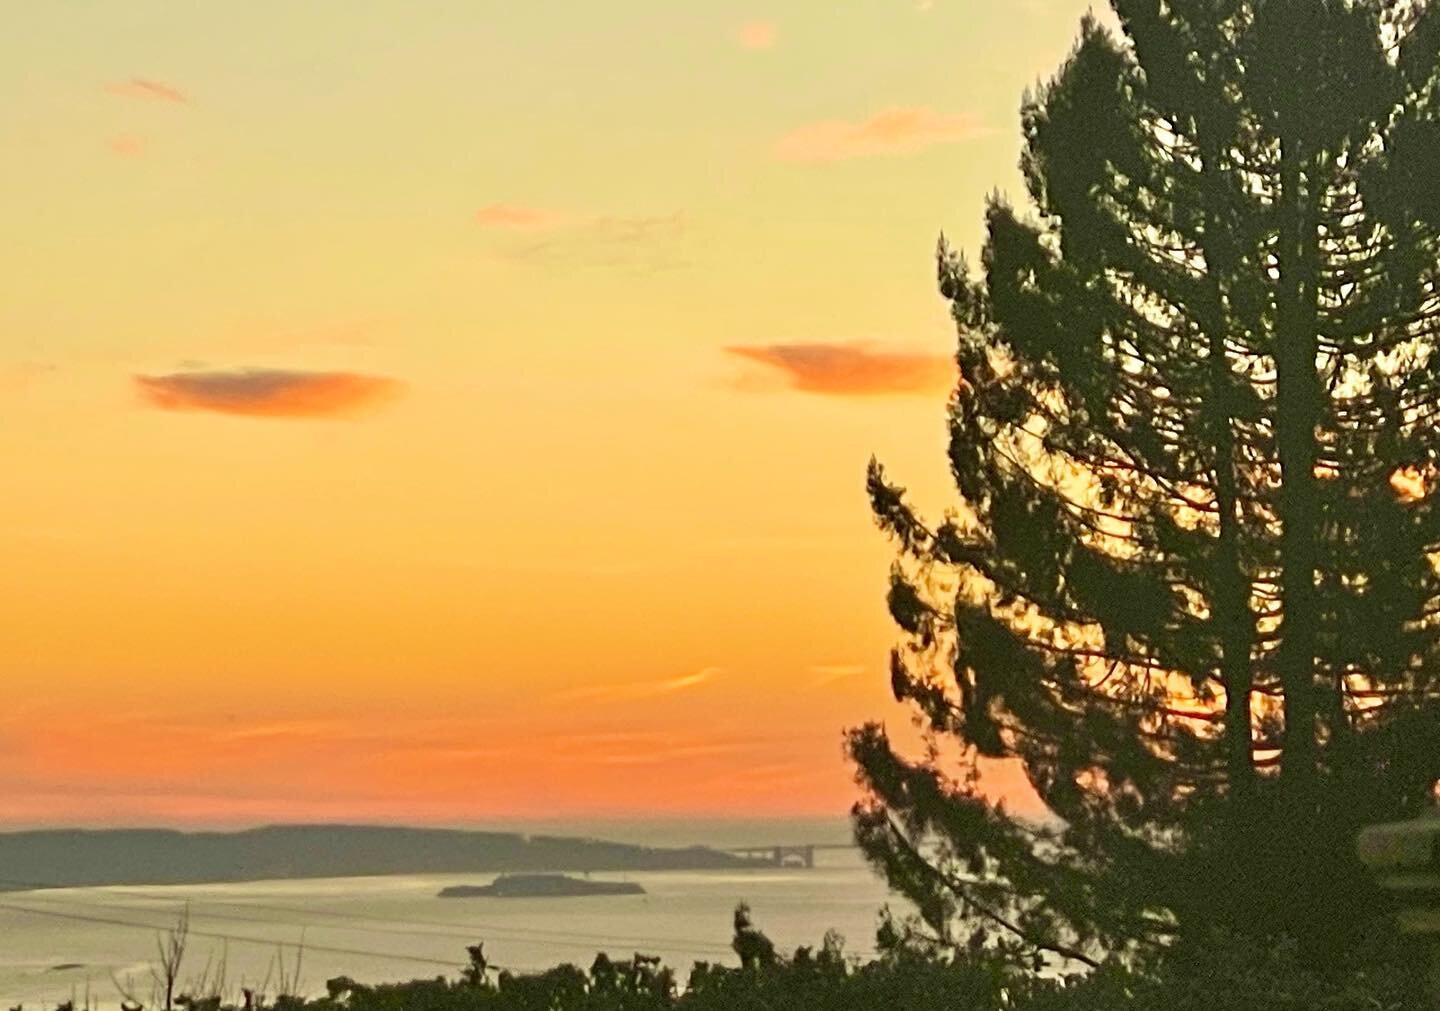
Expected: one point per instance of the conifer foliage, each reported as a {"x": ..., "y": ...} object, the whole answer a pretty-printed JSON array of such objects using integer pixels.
[{"x": 1190, "y": 585}]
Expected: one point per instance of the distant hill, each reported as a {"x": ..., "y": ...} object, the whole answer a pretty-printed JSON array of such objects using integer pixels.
[{"x": 71, "y": 857}]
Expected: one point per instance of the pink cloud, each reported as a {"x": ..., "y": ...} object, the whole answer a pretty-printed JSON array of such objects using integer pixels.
[
  {"x": 147, "y": 90},
  {"x": 892, "y": 131},
  {"x": 849, "y": 370},
  {"x": 267, "y": 393},
  {"x": 758, "y": 34},
  {"x": 512, "y": 217},
  {"x": 125, "y": 146}
]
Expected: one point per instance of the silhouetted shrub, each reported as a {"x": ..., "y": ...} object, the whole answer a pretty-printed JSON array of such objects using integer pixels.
[{"x": 1221, "y": 976}]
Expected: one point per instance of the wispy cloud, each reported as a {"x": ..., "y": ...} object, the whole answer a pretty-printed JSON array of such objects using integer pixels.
[
  {"x": 513, "y": 217},
  {"x": 637, "y": 229},
  {"x": 146, "y": 90},
  {"x": 856, "y": 369},
  {"x": 18, "y": 375},
  {"x": 267, "y": 393},
  {"x": 647, "y": 747},
  {"x": 758, "y": 35},
  {"x": 827, "y": 674},
  {"x": 636, "y": 690},
  {"x": 246, "y": 766},
  {"x": 125, "y": 146},
  {"x": 525, "y": 233},
  {"x": 893, "y": 131},
  {"x": 343, "y": 333},
  {"x": 276, "y": 730}
]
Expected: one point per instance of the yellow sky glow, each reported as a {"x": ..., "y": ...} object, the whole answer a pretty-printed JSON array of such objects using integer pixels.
[{"x": 455, "y": 411}]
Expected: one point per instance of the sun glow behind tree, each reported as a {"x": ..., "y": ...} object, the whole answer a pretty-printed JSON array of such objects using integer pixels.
[{"x": 1191, "y": 587}]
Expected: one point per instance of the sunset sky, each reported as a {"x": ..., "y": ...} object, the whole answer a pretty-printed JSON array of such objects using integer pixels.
[{"x": 456, "y": 411}]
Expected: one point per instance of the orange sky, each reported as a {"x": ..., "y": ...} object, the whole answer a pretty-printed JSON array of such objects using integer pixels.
[{"x": 454, "y": 412}]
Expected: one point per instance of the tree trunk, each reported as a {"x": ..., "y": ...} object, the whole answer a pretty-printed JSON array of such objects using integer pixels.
[
  {"x": 1297, "y": 402},
  {"x": 1231, "y": 588}
]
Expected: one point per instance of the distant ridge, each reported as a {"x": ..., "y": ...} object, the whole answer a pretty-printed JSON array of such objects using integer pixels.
[{"x": 60, "y": 858}]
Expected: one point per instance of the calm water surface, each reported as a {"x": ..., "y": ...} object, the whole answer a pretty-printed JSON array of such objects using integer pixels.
[{"x": 57, "y": 943}]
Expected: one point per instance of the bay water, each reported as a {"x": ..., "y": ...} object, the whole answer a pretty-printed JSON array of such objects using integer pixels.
[{"x": 88, "y": 944}]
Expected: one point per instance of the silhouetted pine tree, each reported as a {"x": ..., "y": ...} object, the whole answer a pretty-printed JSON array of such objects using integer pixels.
[{"x": 1190, "y": 586}]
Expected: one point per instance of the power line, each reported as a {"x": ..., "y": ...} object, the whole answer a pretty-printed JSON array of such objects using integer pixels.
[
  {"x": 450, "y": 930},
  {"x": 238, "y": 938},
  {"x": 552, "y": 938}
]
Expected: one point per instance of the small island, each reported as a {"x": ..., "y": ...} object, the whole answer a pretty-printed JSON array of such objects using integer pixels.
[{"x": 540, "y": 886}]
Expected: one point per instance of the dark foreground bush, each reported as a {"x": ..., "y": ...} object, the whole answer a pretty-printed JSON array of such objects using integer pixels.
[
  {"x": 906, "y": 976},
  {"x": 1220, "y": 977}
]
